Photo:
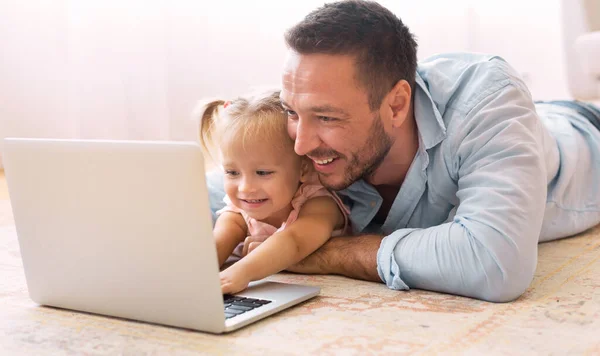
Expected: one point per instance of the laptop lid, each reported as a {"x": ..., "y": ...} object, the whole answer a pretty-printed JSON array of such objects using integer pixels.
[{"x": 117, "y": 228}]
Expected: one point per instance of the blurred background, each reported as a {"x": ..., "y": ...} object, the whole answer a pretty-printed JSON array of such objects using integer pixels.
[{"x": 135, "y": 69}]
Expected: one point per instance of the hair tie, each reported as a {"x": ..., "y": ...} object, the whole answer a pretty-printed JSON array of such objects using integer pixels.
[{"x": 226, "y": 104}]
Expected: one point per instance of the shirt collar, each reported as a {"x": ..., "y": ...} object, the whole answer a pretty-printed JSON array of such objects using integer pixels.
[
  {"x": 429, "y": 119},
  {"x": 431, "y": 127}
]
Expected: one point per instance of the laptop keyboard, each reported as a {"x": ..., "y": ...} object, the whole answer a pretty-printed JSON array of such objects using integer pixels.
[{"x": 235, "y": 306}]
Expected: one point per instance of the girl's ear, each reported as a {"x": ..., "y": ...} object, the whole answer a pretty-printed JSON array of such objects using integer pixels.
[{"x": 305, "y": 169}]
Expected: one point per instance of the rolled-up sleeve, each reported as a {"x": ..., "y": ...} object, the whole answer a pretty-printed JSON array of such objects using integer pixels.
[{"x": 489, "y": 249}]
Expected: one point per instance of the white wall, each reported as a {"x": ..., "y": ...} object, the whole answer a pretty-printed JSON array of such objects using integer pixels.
[
  {"x": 527, "y": 33},
  {"x": 134, "y": 69}
]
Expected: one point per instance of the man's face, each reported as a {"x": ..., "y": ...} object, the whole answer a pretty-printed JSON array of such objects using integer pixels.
[{"x": 330, "y": 120}]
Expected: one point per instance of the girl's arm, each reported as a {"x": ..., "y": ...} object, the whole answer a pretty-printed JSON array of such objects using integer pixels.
[
  {"x": 230, "y": 229},
  {"x": 317, "y": 219}
]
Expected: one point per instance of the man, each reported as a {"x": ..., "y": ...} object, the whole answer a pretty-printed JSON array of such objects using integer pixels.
[{"x": 451, "y": 173}]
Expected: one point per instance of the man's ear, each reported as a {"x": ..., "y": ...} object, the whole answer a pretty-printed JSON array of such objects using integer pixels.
[
  {"x": 399, "y": 101},
  {"x": 305, "y": 169}
]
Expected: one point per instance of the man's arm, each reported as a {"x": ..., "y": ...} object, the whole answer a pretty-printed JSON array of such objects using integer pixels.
[
  {"x": 489, "y": 249},
  {"x": 350, "y": 256}
]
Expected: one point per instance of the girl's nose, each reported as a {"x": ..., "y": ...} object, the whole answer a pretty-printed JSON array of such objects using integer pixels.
[{"x": 246, "y": 185}]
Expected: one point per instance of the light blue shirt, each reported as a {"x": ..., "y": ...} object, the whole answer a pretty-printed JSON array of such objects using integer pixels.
[{"x": 494, "y": 175}]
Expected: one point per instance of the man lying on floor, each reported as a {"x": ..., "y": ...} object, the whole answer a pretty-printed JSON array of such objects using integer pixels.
[{"x": 451, "y": 173}]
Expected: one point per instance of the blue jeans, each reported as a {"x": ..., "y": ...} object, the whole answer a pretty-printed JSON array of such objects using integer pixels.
[{"x": 589, "y": 111}]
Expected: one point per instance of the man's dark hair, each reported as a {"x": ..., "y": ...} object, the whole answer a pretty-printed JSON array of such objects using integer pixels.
[{"x": 384, "y": 48}]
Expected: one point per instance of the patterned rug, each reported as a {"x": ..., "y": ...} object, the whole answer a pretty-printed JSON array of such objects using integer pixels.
[{"x": 560, "y": 313}]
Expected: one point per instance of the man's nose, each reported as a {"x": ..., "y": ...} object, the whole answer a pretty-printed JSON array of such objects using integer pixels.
[{"x": 306, "y": 139}]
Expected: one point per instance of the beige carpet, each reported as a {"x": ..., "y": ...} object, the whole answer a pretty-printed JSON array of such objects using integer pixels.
[{"x": 560, "y": 313}]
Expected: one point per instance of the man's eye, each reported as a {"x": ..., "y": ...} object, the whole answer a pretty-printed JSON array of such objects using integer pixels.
[
  {"x": 327, "y": 118},
  {"x": 290, "y": 113},
  {"x": 232, "y": 173},
  {"x": 264, "y": 173}
]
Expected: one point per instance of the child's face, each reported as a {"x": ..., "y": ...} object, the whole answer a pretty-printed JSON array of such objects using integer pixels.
[{"x": 262, "y": 179}]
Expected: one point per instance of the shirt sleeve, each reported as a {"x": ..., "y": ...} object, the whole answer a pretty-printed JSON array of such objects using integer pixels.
[
  {"x": 489, "y": 249},
  {"x": 216, "y": 192}
]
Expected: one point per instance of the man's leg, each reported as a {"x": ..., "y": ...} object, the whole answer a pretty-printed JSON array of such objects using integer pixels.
[
  {"x": 595, "y": 111},
  {"x": 589, "y": 111}
]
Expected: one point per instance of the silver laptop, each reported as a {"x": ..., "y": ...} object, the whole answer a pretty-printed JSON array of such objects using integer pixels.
[{"x": 124, "y": 228}]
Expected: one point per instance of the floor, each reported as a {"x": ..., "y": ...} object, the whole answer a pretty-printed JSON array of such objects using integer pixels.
[{"x": 558, "y": 314}]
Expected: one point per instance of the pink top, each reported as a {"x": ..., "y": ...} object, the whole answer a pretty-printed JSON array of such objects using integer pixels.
[{"x": 305, "y": 192}]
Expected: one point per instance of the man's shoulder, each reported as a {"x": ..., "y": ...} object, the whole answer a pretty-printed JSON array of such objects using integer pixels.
[
  {"x": 456, "y": 85},
  {"x": 460, "y": 62},
  {"x": 461, "y": 80}
]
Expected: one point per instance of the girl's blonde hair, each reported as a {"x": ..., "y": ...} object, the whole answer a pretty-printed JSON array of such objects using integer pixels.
[{"x": 246, "y": 120}]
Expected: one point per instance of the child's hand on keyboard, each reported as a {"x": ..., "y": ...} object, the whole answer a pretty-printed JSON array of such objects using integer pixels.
[{"x": 233, "y": 280}]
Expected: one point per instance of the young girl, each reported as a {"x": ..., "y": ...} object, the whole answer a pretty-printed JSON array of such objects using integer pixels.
[{"x": 271, "y": 192}]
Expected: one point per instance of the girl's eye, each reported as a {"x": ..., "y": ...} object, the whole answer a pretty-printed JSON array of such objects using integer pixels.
[
  {"x": 232, "y": 173},
  {"x": 264, "y": 173}
]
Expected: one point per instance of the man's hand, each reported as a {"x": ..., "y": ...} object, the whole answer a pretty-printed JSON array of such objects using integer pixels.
[{"x": 233, "y": 280}]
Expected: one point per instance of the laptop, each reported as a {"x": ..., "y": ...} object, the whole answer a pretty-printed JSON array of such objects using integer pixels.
[{"x": 124, "y": 228}]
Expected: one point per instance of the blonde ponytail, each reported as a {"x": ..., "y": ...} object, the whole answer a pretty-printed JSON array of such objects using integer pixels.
[
  {"x": 206, "y": 114},
  {"x": 256, "y": 117}
]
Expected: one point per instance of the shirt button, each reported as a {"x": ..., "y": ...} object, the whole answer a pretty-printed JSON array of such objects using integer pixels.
[{"x": 373, "y": 204}]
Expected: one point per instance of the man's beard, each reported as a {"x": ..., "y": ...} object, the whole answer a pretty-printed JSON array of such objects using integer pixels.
[{"x": 359, "y": 166}]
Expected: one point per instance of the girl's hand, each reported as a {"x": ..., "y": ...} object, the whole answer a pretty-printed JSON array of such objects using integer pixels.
[{"x": 233, "y": 281}]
